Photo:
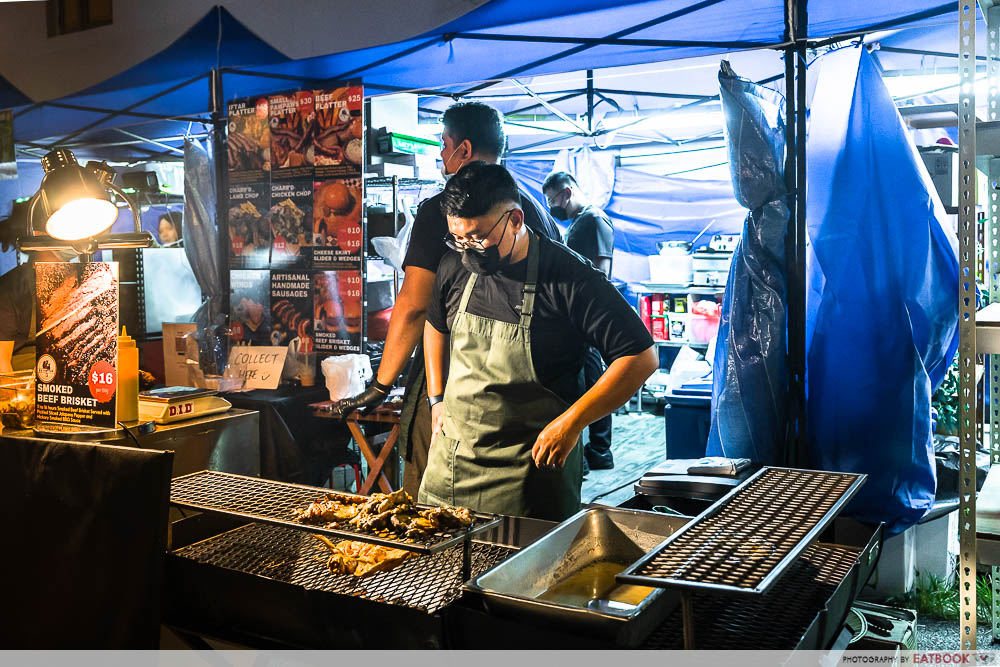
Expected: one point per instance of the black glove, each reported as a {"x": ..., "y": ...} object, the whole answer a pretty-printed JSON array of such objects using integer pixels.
[{"x": 366, "y": 401}]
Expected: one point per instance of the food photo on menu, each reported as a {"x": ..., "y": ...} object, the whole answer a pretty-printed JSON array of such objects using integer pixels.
[
  {"x": 249, "y": 137},
  {"x": 339, "y": 129},
  {"x": 250, "y": 298},
  {"x": 291, "y": 321},
  {"x": 292, "y": 125},
  {"x": 249, "y": 225},
  {"x": 337, "y": 230},
  {"x": 290, "y": 217},
  {"x": 338, "y": 310}
]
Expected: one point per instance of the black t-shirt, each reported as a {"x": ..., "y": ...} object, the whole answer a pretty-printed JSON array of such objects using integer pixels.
[
  {"x": 592, "y": 235},
  {"x": 430, "y": 226},
  {"x": 576, "y": 306},
  {"x": 17, "y": 297}
]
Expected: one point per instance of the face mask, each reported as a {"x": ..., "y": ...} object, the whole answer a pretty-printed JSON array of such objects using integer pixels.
[
  {"x": 487, "y": 261},
  {"x": 558, "y": 212},
  {"x": 444, "y": 166}
]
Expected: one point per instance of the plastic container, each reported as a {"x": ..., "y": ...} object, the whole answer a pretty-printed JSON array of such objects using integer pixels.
[
  {"x": 672, "y": 266},
  {"x": 686, "y": 421},
  {"x": 703, "y": 322}
]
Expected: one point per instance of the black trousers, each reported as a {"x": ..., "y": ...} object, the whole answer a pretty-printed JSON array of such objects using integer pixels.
[{"x": 600, "y": 431}]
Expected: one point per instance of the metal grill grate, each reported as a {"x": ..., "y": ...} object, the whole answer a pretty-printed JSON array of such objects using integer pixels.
[
  {"x": 424, "y": 582},
  {"x": 272, "y": 502},
  {"x": 776, "y": 620},
  {"x": 745, "y": 542}
]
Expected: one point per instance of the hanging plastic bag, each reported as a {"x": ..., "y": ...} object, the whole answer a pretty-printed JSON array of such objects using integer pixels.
[
  {"x": 393, "y": 249},
  {"x": 346, "y": 375}
]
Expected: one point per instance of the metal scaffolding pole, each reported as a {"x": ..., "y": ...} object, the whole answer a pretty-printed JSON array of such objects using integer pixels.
[{"x": 968, "y": 417}]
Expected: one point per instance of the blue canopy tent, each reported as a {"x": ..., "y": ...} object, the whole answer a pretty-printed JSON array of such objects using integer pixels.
[{"x": 503, "y": 39}]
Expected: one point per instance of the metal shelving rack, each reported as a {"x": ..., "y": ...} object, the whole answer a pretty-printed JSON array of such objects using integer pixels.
[{"x": 979, "y": 332}]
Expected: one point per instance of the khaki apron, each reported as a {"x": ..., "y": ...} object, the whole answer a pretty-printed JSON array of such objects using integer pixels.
[{"x": 494, "y": 409}]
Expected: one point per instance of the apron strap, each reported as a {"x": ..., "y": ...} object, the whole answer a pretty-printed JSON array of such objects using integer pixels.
[
  {"x": 470, "y": 283},
  {"x": 528, "y": 304}
]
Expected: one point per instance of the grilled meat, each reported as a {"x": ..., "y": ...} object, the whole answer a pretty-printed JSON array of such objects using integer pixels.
[
  {"x": 361, "y": 559},
  {"x": 381, "y": 513}
]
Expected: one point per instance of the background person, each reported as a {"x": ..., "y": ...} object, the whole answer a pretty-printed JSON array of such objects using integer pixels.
[
  {"x": 169, "y": 229},
  {"x": 510, "y": 320},
  {"x": 592, "y": 235}
]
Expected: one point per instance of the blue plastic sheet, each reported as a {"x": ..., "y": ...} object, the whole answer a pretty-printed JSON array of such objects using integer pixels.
[
  {"x": 882, "y": 313},
  {"x": 749, "y": 380}
]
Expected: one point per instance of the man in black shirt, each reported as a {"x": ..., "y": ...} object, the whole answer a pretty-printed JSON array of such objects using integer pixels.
[
  {"x": 511, "y": 317},
  {"x": 472, "y": 131},
  {"x": 590, "y": 233}
]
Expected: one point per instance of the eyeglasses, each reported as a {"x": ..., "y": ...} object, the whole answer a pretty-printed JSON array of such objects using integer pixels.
[{"x": 476, "y": 244}]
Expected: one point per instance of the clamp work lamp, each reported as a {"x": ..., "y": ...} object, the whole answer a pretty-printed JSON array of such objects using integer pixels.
[{"x": 73, "y": 208}]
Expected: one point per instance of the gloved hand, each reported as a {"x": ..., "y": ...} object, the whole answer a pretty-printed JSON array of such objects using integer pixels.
[{"x": 366, "y": 401}]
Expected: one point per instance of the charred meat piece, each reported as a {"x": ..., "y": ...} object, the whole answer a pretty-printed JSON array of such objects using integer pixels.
[{"x": 360, "y": 558}]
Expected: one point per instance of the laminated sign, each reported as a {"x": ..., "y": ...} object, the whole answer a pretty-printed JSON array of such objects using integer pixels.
[{"x": 77, "y": 343}]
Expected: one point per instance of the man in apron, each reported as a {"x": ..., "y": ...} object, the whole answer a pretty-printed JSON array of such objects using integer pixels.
[{"x": 511, "y": 317}]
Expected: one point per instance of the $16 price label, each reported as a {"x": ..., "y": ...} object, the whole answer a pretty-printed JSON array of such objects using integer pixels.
[{"x": 102, "y": 380}]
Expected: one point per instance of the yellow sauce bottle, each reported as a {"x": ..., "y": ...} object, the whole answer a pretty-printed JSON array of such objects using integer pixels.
[{"x": 127, "y": 399}]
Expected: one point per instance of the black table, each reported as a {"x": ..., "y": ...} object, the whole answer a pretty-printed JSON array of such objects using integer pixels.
[{"x": 295, "y": 447}]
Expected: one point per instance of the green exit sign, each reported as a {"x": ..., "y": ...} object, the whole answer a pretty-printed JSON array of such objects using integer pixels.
[{"x": 404, "y": 144}]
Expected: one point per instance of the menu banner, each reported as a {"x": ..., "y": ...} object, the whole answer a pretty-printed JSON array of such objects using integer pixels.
[
  {"x": 296, "y": 219},
  {"x": 77, "y": 343}
]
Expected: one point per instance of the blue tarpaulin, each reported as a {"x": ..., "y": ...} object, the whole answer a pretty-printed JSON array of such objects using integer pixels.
[
  {"x": 646, "y": 209},
  {"x": 881, "y": 309},
  {"x": 749, "y": 373}
]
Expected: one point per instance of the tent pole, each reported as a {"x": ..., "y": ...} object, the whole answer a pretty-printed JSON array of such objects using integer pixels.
[
  {"x": 219, "y": 161},
  {"x": 795, "y": 184},
  {"x": 590, "y": 100}
]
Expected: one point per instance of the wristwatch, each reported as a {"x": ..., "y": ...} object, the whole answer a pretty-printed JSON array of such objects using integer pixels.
[{"x": 434, "y": 400}]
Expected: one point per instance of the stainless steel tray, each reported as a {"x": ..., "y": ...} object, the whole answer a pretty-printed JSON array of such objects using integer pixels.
[{"x": 512, "y": 587}]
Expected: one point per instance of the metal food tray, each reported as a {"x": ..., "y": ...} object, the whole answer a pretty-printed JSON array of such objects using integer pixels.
[
  {"x": 267, "y": 501},
  {"x": 745, "y": 542}
]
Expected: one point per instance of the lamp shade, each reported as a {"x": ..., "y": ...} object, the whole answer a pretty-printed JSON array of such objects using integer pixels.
[{"x": 74, "y": 201}]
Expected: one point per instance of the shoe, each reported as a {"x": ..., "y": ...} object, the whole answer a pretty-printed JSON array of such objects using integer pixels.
[{"x": 598, "y": 461}]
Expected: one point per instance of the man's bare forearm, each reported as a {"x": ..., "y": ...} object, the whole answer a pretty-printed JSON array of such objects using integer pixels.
[{"x": 435, "y": 359}]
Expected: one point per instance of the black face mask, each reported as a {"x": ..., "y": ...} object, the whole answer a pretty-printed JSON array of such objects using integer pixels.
[
  {"x": 559, "y": 213},
  {"x": 485, "y": 262}
]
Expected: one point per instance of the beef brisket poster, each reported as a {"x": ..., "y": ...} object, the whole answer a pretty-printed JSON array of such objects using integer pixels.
[
  {"x": 338, "y": 311},
  {"x": 291, "y": 311},
  {"x": 296, "y": 219},
  {"x": 249, "y": 302},
  {"x": 77, "y": 343}
]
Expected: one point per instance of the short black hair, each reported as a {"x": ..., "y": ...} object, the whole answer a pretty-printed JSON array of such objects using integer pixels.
[
  {"x": 480, "y": 123},
  {"x": 174, "y": 218},
  {"x": 558, "y": 180},
  {"x": 477, "y": 188}
]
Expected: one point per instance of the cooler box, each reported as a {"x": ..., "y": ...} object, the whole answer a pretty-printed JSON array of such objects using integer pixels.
[{"x": 687, "y": 417}]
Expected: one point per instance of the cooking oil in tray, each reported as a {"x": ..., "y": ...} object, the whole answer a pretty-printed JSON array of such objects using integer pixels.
[{"x": 596, "y": 583}]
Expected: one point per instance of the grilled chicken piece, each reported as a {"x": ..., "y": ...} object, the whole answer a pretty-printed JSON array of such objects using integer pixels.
[
  {"x": 449, "y": 517},
  {"x": 361, "y": 558},
  {"x": 329, "y": 510}
]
